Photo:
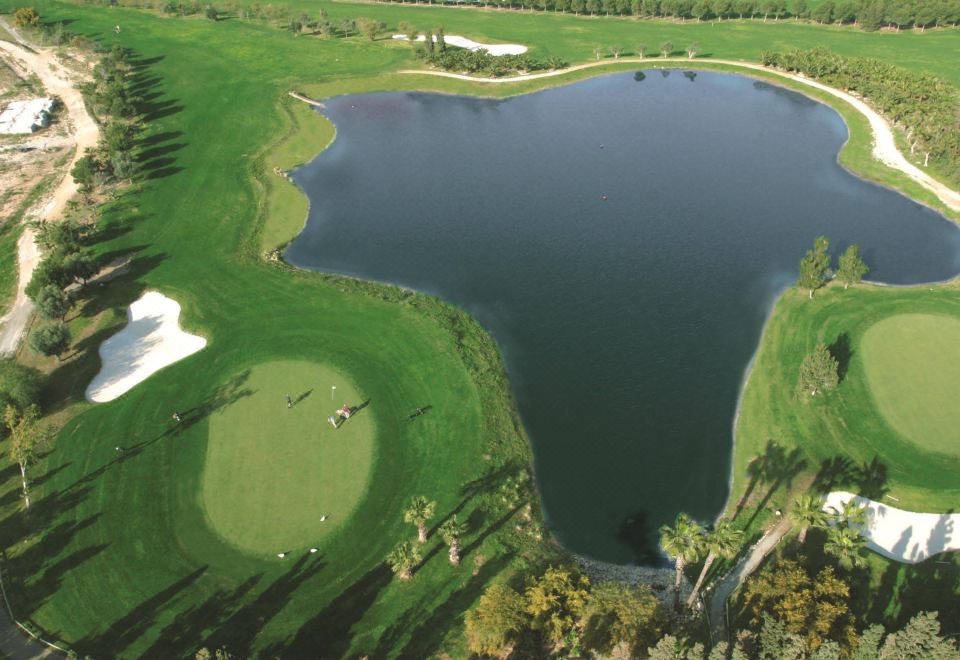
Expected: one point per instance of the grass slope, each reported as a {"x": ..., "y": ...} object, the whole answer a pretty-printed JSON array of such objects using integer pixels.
[
  {"x": 116, "y": 557},
  {"x": 913, "y": 371},
  {"x": 270, "y": 472}
]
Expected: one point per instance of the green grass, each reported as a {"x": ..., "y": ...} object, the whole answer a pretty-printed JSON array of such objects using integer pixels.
[
  {"x": 271, "y": 472},
  {"x": 912, "y": 364},
  {"x": 842, "y": 439},
  {"x": 117, "y": 557}
]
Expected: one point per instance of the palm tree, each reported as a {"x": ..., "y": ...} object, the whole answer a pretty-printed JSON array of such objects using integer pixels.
[
  {"x": 845, "y": 543},
  {"x": 419, "y": 512},
  {"x": 808, "y": 512},
  {"x": 403, "y": 558},
  {"x": 724, "y": 541},
  {"x": 451, "y": 531},
  {"x": 682, "y": 543}
]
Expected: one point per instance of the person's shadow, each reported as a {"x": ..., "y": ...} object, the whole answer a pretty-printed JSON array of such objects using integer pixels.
[
  {"x": 302, "y": 397},
  {"x": 419, "y": 411}
]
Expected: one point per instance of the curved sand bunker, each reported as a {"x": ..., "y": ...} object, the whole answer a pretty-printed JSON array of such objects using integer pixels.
[
  {"x": 470, "y": 44},
  {"x": 152, "y": 340},
  {"x": 901, "y": 535}
]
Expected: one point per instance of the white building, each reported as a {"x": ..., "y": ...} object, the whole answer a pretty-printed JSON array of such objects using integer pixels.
[{"x": 21, "y": 117}]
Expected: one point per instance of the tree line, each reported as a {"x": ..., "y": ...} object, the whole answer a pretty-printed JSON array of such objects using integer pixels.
[
  {"x": 923, "y": 105},
  {"x": 866, "y": 14}
]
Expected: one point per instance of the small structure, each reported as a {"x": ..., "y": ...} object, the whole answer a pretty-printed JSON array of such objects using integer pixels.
[{"x": 23, "y": 117}]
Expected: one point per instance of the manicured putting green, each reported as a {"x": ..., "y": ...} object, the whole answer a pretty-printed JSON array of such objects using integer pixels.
[
  {"x": 271, "y": 472},
  {"x": 912, "y": 362}
]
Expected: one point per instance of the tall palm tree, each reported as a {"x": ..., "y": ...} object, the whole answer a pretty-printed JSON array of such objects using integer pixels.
[
  {"x": 845, "y": 543},
  {"x": 403, "y": 558},
  {"x": 723, "y": 541},
  {"x": 808, "y": 512},
  {"x": 682, "y": 543},
  {"x": 419, "y": 512},
  {"x": 451, "y": 531}
]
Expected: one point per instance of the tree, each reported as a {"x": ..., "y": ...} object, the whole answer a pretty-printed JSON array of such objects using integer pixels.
[
  {"x": 808, "y": 512},
  {"x": 555, "y": 603},
  {"x": 52, "y": 302},
  {"x": 692, "y": 50},
  {"x": 370, "y": 28},
  {"x": 19, "y": 385},
  {"x": 814, "y": 607},
  {"x": 851, "y": 267},
  {"x": 499, "y": 615},
  {"x": 211, "y": 13},
  {"x": 450, "y": 532},
  {"x": 814, "y": 266},
  {"x": 347, "y": 27},
  {"x": 408, "y": 30},
  {"x": 801, "y": 9},
  {"x": 419, "y": 511},
  {"x": 616, "y": 51},
  {"x": 403, "y": 558},
  {"x": 823, "y": 13},
  {"x": 441, "y": 40},
  {"x": 640, "y": 50},
  {"x": 80, "y": 266},
  {"x": 920, "y": 639},
  {"x": 597, "y": 52},
  {"x": 818, "y": 372},
  {"x": 683, "y": 544},
  {"x": 50, "y": 270},
  {"x": 26, "y": 16},
  {"x": 722, "y": 541},
  {"x": 666, "y": 48},
  {"x": 52, "y": 339},
  {"x": 845, "y": 542},
  {"x": 27, "y": 439},
  {"x": 617, "y": 615},
  {"x": 84, "y": 172}
]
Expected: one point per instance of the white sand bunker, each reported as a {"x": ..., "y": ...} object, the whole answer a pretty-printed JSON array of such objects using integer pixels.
[
  {"x": 470, "y": 44},
  {"x": 152, "y": 340},
  {"x": 902, "y": 535}
]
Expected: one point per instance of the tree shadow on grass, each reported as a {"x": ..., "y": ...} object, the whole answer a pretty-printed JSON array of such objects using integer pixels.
[
  {"x": 128, "y": 628},
  {"x": 778, "y": 468},
  {"x": 841, "y": 351},
  {"x": 327, "y": 635}
]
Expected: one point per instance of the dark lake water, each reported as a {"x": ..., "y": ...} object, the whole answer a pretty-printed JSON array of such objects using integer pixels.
[{"x": 626, "y": 324}]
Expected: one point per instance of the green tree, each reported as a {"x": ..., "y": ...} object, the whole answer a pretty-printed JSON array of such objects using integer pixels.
[
  {"x": 53, "y": 303},
  {"x": 52, "y": 339},
  {"x": 211, "y": 13},
  {"x": 450, "y": 532},
  {"x": 666, "y": 48},
  {"x": 818, "y": 372},
  {"x": 84, "y": 172},
  {"x": 418, "y": 512},
  {"x": 493, "y": 624},
  {"x": 801, "y": 9},
  {"x": 683, "y": 543},
  {"x": 814, "y": 266},
  {"x": 370, "y": 28},
  {"x": 80, "y": 266},
  {"x": 618, "y": 615},
  {"x": 616, "y": 51},
  {"x": 19, "y": 385},
  {"x": 403, "y": 558},
  {"x": 640, "y": 50},
  {"x": 347, "y": 27},
  {"x": 920, "y": 639},
  {"x": 28, "y": 438},
  {"x": 808, "y": 512},
  {"x": 845, "y": 543},
  {"x": 26, "y": 16},
  {"x": 851, "y": 267},
  {"x": 555, "y": 603},
  {"x": 722, "y": 541},
  {"x": 692, "y": 50},
  {"x": 814, "y": 607}
]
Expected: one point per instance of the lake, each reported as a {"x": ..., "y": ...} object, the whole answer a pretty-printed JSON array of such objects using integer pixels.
[{"x": 623, "y": 240}]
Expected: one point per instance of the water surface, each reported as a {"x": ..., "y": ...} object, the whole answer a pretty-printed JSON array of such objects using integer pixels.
[{"x": 627, "y": 321}]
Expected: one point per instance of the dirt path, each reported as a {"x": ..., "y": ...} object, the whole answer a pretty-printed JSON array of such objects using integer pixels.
[
  {"x": 716, "y": 603},
  {"x": 58, "y": 82},
  {"x": 884, "y": 144}
]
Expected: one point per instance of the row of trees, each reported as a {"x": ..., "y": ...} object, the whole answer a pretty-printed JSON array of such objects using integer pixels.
[
  {"x": 923, "y": 105},
  {"x": 560, "y": 613},
  {"x": 19, "y": 399},
  {"x": 868, "y": 14}
]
